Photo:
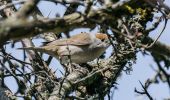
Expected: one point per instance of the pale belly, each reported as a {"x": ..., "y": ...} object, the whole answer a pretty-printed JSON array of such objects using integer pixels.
[
  {"x": 80, "y": 55},
  {"x": 83, "y": 57}
]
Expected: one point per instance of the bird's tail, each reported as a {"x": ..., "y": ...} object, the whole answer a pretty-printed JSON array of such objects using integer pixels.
[{"x": 39, "y": 49}]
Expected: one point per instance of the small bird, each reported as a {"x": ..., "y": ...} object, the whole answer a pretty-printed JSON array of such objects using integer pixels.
[{"x": 80, "y": 48}]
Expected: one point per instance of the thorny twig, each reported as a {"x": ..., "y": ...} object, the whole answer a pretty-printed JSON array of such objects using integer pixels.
[{"x": 145, "y": 91}]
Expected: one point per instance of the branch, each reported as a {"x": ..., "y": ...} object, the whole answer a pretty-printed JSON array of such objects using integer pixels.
[
  {"x": 11, "y": 4},
  {"x": 109, "y": 70},
  {"x": 14, "y": 28},
  {"x": 145, "y": 91},
  {"x": 5, "y": 93},
  {"x": 67, "y": 85},
  {"x": 160, "y": 48},
  {"x": 27, "y": 8}
]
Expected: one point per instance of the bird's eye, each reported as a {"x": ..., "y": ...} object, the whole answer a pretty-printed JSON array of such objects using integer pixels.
[{"x": 102, "y": 40}]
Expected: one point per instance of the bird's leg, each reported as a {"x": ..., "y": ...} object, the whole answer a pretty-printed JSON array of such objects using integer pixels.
[
  {"x": 69, "y": 64},
  {"x": 66, "y": 63},
  {"x": 70, "y": 69}
]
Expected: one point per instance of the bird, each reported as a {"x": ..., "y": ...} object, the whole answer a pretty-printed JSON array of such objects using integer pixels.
[{"x": 80, "y": 48}]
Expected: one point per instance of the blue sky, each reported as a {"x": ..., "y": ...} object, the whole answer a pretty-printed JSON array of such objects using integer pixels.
[{"x": 126, "y": 83}]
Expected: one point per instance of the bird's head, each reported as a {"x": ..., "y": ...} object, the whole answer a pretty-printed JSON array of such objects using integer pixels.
[{"x": 104, "y": 38}]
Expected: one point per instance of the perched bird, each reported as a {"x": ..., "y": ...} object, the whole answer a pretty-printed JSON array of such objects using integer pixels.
[{"x": 80, "y": 48}]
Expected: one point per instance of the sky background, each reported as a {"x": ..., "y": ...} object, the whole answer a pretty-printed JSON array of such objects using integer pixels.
[{"x": 126, "y": 82}]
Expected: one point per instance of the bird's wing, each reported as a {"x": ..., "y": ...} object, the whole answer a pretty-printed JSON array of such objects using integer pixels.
[{"x": 80, "y": 39}]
